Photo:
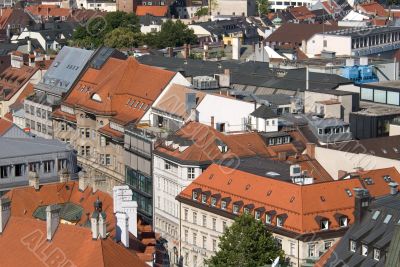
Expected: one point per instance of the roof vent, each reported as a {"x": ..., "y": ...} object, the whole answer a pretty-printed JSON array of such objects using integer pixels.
[{"x": 272, "y": 174}]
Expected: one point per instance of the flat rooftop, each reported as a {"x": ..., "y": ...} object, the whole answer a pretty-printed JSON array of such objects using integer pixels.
[
  {"x": 362, "y": 31},
  {"x": 374, "y": 109},
  {"x": 383, "y": 85}
]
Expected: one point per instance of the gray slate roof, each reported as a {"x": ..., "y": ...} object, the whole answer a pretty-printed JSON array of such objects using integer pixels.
[
  {"x": 64, "y": 70},
  {"x": 12, "y": 147},
  {"x": 264, "y": 112}
]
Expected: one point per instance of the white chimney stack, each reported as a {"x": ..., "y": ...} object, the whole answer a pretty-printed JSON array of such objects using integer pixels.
[
  {"x": 34, "y": 180},
  {"x": 5, "y": 212},
  {"x": 52, "y": 220},
  {"x": 393, "y": 188},
  {"x": 122, "y": 228},
  {"x": 64, "y": 175},
  {"x": 94, "y": 226},
  {"x": 236, "y": 48},
  {"x": 81, "y": 181},
  {"x": 120, "y": 194},
  {"x": 130, "y": 208}
]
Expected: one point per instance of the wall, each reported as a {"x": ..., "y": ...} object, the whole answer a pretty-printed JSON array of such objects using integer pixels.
[
  {"x": 230, "y": 111},
  {"x": 339, "y": 44},
  {"x": 335, "y": 160},
  {"x": 394, "y": 129},
  {"x": 235, "y": 8}
]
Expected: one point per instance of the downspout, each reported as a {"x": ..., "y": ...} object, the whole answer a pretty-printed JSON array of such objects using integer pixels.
[
  {"x": 180, "y": 231},
  {"x": 298, "y": 253}
]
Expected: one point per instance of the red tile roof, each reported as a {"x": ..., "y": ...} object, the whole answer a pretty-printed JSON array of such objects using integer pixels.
[
  {"x": 48, "y": 11},
  {"x": 63, "y": 115},
  {"x": 301, "y": 204},
  {"x": 23, "y": 239},
  {"x": 157, "y": 11},
  {"x": 204, "y": 148},
  {"x": 13, "y": 79},
  {"x": 5, "y": 15},
  {"x": 27, "y": 91},
  {"x": 5, "y": 125},
  {"x": 301, "y": 13},
  {"x": 125, "y": 89},
  {"x": 373, "y": 8}
]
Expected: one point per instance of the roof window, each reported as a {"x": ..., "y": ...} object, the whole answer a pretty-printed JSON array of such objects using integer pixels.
[
  {"x": 96, "y": 97},
  {"x": 387, "y": 218},
  {"x": 376, "y": 215}
]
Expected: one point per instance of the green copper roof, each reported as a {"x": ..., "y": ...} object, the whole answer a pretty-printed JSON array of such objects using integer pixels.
[{"x": 69, "y": 212}]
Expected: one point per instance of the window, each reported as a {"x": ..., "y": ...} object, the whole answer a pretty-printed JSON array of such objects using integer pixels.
[
  {"x": 279, "y": 242},
  {"x": 387, "y": 219},
  {"x": 203, "y": 198},
  {"x": 87, "y": 151},
  {"x": 223, "y": 225},
  {"x": 311, "y": 250},
  {"x": 246, "y": 210},
  {"x": 186, "y": 258},
  {"x": 223, "y": 205},
  {"x": 3, "y": 172},
  {"x": 190, "y": 174},
  {"x": 257, "y": 215},
  {"x": 279, "y": 221},
  {"x": 353, "y": 246},
  {"x": 213, "y": 201},
  {"x": 195, "y": 195},
  {"x": 194, "y": 217},
  {"x": 19, "y": 170},
  {"x": 38, "y": 112},
  {"x": 186, "y": 235},
  {"x": 235, "y": 209},
  {"x": 194, "y": 239},
  {"x": 343, "y": 221},
  {"x": 214, "y": 224},
  {"x": 34, "y": 167},
  {"x": 214, "y": 245},
  {"x": 194, "y": 260},
  {"x": 104, "y": 141},
  {"x": 204, "y": 220},
  {"x": 64, "y": 126},
  {"x": 186, "y": 212},
  {"x": 268, "y": 218},
  {"x": 204, "y": 241},
  {"x": 364, "y": 250},
  {"x": 47, "y": 166},
  {"x": 327, "y": 245},
  {"x": 324, "y": 224},
  {"x": 375, "y": 215},
  {"x": 377, "y": 254},
  {"x": 292, "y": 248}
]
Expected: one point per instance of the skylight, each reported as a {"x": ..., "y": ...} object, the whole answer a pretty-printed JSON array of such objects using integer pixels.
[
  {"x": 96, "y": 97},
  {"x": 375, "y": 215},
  {"x": 387, "y": 218},
  {"x": 349, "y": 192}
]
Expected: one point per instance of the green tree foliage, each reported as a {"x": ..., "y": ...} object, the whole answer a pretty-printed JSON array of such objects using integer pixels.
[
  {"x": 120, "y": 38},
  {"x": 93, "y": 33},
  {"x": 203, "y": 11},
  {"x": 263, "y": 7},
  {"x": 172, "y": 34},
  {"x": 246, "y": 243}
]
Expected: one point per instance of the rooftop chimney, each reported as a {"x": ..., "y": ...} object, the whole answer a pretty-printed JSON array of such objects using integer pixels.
[
  {"x": 122, "y": 228},
  {"x": 120, "y": 194},
  {"x": 130, "y": 209},
  {"x": 98, "y": 221},
  {"x": 362, "y": 199},
  {"x": 282, "y": 156},
  {"x": 5, "y": 212},
  {"x": 212, "y": 121},
  {"x": 310, "y": 149},
  {"x": 52, "y": 220},
  {"x": 236, "y": 48},
  {"x": 34, "y": 180},
  {"x": 393, "y": 188},
  {"x": 123, "y": 203},
  {"x": 81, "y": 181},
  {"x": 64, "y": 175}
]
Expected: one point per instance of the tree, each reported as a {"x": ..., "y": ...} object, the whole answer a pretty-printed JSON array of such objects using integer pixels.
[
  {"x": 120, "y": 38},
  {"x": 172, "y": 34},
  {"x": 263, "y": 7},
  {"x": 246, "y": 243},
  {"x": 203, "y": 11},
  {"x": 93, "y": 33}
]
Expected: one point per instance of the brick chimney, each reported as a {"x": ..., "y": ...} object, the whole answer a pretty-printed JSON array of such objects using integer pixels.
[
  {"x": 5, "y": 212},
  {"x": 122, "y": 233},
  {"x": 310, "y": 149},
  {"x": 52, "y": 220},
  {"x": 64, "y": 175},
  {"x": 33, "y": 180},
  {"x": 362, "y": 200}
]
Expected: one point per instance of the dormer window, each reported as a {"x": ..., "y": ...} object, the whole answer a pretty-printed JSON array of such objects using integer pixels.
[
  {"x": 223, "y": 205},
  {"x": 364, "y": 250},
  {"x": 343, "y": 221},
  {"x": 203, "y": 198},
  {"x": 235, "y": 209},
  {"x": 195, "y": 195},
  {"x": 377, "y": 254},
  {"x": 324, "y": 225},
  {"x": 213, "y": 201},
  {"x": 268, "y": 218},
  {"x": 279, "y": 221},
  {"x": 353, "y": 246},
  {"x": 246, "y": 210},
  {"x": 257, "y": 215}
]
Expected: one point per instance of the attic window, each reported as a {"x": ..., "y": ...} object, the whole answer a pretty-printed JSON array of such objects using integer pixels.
[
  {"x": 375, "y": 215},
  {"x": 343, "y": 221},
  {"x": 213, "y": 201},
  {"x": 96, "y": 97},
  {"x": 203, "y": 198},
  {"x": 387, "y": 218},
  {"x": 223, "y": 205},
  {"x": 236, "y": 208},
  {"x": 387, "y": 178},
  {"x": 324, "y": 225},
  {"x": 279, "y": 221},
  {"x": 195, "y": 195},
  {"x": 369, "y": 181}
]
